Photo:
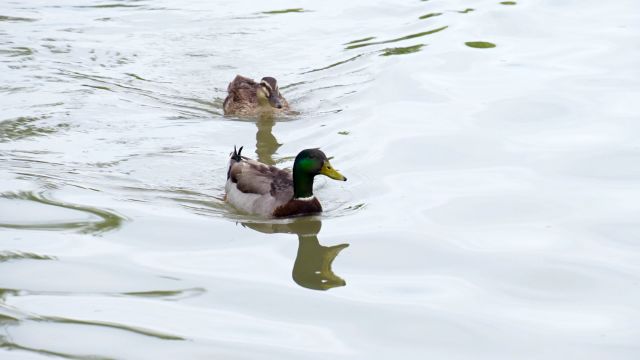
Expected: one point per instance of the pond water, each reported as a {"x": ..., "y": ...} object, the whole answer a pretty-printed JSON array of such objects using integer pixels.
[{"x": 491, "y": 210}]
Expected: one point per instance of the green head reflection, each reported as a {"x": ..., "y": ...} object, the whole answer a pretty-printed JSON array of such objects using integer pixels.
[{"x": 312, "y": 267}]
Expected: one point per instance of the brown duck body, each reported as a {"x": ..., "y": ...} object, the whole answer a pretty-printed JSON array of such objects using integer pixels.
[
  {"x": 261, "y": 189},
  {"x": 243, "y": 99}
]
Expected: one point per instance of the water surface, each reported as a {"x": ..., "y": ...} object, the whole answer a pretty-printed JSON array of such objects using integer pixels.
[{"x": 490, "y": 213}]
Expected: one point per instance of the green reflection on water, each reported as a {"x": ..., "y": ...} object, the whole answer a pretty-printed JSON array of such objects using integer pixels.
[
  {"x": 167, "y": 294},
  {"x": 7, "y": 344},
  {"x": 108, "y": 220},
  {"x": 334, "y": 64},
  {"x": 97, "y": 87},
  {"x": 412, "y": 36},
  {"x": 133, "y": 329},
  {"x": 17, "y": 255},
  {"x": 467, "y": 10},
  {"x": 426, "y": 16},
  {"x": 4, "y": 320},
  {"x": 480, "y": 44},
  {"x": 154, "y": 293},
  {"x": 360, "y": 40},
  {"x": 312, "y": 266},
  {"x": 107, "y": 6},
  {"x": 266, "y": 142},
  {"x": 284, "y": 11},
  {"x": 25, "y": 127},
  {"x": 508, "y": 3},
  {"x": 136, "y": 76},
  {"x": 5, "y": 292},
  {"x": 17, "y": 51},
  {"x": 401, "y": 50},
  {"x": 15, "y": 19}
]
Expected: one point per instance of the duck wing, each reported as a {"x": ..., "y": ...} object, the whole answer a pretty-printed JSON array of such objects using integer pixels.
[
  {"x": 241, "y": 82},
  {"x": 242, "y": 88},
  {"x": 253, "y": 177}
]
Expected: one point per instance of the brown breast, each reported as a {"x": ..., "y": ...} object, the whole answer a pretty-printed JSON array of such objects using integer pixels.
[{"x": 298, "y": 207}]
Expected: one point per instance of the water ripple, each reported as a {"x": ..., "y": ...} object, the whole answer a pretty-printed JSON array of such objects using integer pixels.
[
  {"x": 17, "y": 255},
  {"x": 133, "y": 329},
  {"x": 15, "y": 19},
  {"x": 101, "y": 220},
  {"x": 284, "y": 11},
  {"x": 406, "y": 37}
]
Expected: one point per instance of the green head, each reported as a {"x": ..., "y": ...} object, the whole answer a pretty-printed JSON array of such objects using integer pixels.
[{"x": 308, "y": 164}]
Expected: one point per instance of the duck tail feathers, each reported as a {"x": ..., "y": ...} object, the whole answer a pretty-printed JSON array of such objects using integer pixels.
[{"x": 237, "y": 154}]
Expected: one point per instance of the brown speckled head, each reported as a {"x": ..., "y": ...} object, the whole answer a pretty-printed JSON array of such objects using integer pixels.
[
  {"x": 270, "y": 87},
  {"x": 271, "y": 82}
]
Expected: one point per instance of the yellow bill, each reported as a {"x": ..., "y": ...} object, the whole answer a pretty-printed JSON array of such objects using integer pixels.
[{"x": 329, "y": 171}]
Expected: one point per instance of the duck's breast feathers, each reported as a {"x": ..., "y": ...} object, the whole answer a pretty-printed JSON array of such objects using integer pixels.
[
  {"x": 298, "y": 207},
  {"x": 250, "y": 176}
]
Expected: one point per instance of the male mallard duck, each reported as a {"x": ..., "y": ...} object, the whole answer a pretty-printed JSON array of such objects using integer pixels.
[
  {"x": 247, "y": 97},
  {"x": 265, "y": 190}
]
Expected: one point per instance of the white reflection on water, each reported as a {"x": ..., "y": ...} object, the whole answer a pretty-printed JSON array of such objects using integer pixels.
[{"x": 490, "y": 212}]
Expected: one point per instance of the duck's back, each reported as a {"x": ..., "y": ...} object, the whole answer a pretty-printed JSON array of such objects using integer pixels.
[
  {"x": 258, "y": 188},
  {"x": 242, "y": 97}
]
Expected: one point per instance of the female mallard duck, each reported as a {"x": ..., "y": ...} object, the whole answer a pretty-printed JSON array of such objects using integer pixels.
[
  {"x": 265, "y": 190},
  {"x": 247, "y": 97}
]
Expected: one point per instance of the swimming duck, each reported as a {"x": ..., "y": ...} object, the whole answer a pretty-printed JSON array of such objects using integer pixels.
[
  {"x": 261, "y": 189},
  {"x": 247, "y": 97}
]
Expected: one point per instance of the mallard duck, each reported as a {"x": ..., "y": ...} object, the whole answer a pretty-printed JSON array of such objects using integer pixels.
[
  {"x": 265, "y": 190},
  {"x": 247, "y": 97}
]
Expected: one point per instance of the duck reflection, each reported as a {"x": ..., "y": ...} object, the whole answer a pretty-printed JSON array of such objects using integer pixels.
[
  {"x": 312, "y": 268},
  {"x": 266, "y": 143}
]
